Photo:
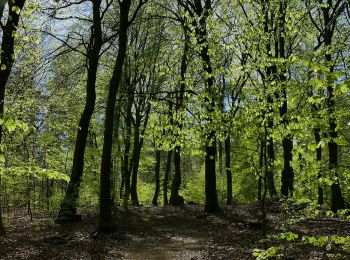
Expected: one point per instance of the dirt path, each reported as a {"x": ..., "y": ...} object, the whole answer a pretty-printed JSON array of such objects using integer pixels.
[
  {"x": 184, "y": 233},
  {"x": 173, "y": 233},
  {"x": 158, "y": 233},
  {"x": 142, "y": 233},
  {"x": 168, "y": 243},
  {"x": 172, "y": 245}
]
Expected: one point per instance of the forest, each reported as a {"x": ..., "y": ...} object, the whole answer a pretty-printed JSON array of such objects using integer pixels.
[{"x": 174, "y": 129}]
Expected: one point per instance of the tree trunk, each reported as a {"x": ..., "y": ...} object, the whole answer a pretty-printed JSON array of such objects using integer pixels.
[
  {"x": 269, "y": 142},
  {"x": 318, "y": 161},
  {"x": 337, "y": 200},
  {"x": 135, "y": 168},
  {"x": 138, "y": 143},
  {"x": 115, "y": 160},
  {"x": 105, "y": 210},
  {"x": 68, "y": 208},
  {"x": 261, "y": 164},
  {"x": 220, "y": 154},
  {"x": 287, "y": 179},
  {"x": 270, "y": 182},
  {"x": 175, "y": 198},
  {"x": 211, "y": 199},
  {"x": 157, "y": 180},
  {"x": 229, "y": 198},
  {"x": 127, "y": 165},
  {"x": 6, "y": 62},
  {"x": 122, "y": 181},
  {"x": 166, "y": 177}
]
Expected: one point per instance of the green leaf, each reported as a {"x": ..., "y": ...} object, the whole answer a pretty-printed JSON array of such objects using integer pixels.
[
  {"x": 344, "y": 88},
  {"x": 16, "y": 9}
]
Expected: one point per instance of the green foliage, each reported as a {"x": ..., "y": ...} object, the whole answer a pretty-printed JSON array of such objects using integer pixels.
[
  {"x": 289, "y": 236},
  {"x": 194, "y": 188},
  {"x": 46, "y": 94},
  {"x": 270, "y": 253},
  {"x": 329, "y": 242},
  {"x": 145, "y": 192},
  {"x": 315, "y": 241}
]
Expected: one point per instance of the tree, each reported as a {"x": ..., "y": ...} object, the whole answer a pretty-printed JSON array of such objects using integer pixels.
[
  {"x": 337, "y": 201},
  {"x": 199, "y": 13},
  {"x": 7, "y": 56},
  {"x": 176, "y": 121},
  {"x": 105, "y": 211},
  {"x": 68, "y": 208},
  {"x": 287, "y": 176}
]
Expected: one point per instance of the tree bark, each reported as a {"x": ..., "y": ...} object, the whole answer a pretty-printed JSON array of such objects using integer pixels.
[
  {"x": 287, "y": 179},
  {"x": 6, "y": 62},
  {"x": 261, "y": 164},
  {"x": 337, "y": 200},
  {"x": 127, "y": 165},
  {"x": 122, "y": 181},
  {"x": 200, "y": 31},
  {"x": 175, "y": 198},
  {"x": 68, "y": 207},
  {"x": 229, "y": 198},
  {"x": 105, "y": 210},
  {"x": 138, "y": 144},
  {"x": 166, "y": 177},
  {"x": 317, "y": 135},
  {"x": 220, "y": 154},
  {"x": 211, "y": 199},
  {"x": 136, "y": 163},
  {"x": 270, "y": 151},
  {"x": 270, "y": 160}
]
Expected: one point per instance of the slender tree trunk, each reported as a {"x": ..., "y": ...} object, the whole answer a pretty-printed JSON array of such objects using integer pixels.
[
  {"x": 287, "y": 180},
  {"x": 166, "y": 177},
  {"x": 7, "y": 60},
  {"x": 337, "y": 200},
  {"x": 115, "y": 160},
  {"x": 135, "y": 168},
  {"x": 220, "y": 153},
  {"x": 175, "y": 198},
  {"x": 69, "y": 205},
  {"x": 270, "y": 150},
  {"x": 157, "y": 179},
  {"x": 261, "y": 164},
  {"x": 127, "y": 145},
  {"x": 211, "y": 199},
  {"x": 270, "y": 182},
  {"x": 105, "y": 210},
  {"x": 317, "y": 135},
  {"x": 138, "y": 144},
  {"x": 229, "y": 198},
  {"x": 122, "y": 182}
]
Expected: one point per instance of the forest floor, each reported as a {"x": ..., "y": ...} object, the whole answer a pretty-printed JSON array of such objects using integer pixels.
[{"x": 166, "y": 233}]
